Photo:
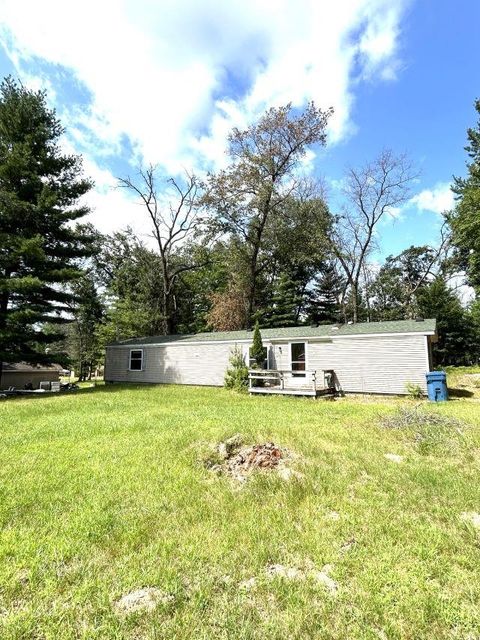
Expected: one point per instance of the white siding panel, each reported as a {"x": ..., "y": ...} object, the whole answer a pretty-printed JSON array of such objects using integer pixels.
[
  {"x": 373, "y": 364},
  {"x": 181, "y": 364}
]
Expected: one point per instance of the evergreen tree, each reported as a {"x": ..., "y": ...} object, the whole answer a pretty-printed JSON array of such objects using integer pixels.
[
  {"x": 465, "y": 218},
  {"x": 455, "y": 332},
  {"x": 323, "y": 303},
  {"x": 39, "y": 192},
  {"x": 83, "y": 334},
  {"x": 285, "y": 303},
  {"x": 257, "y": 350}
]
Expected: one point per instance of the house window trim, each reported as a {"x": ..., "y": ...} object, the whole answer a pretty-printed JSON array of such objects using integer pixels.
[
  {"x": 130, "y": 360},
  {"x": 305, "y": 342}
]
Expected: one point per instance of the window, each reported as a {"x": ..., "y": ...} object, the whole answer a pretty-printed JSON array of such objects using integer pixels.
[
  {"x": 252, "y": 362},
  {"x": 136, "y": 360},
  {"x": 298, "y": 355}
]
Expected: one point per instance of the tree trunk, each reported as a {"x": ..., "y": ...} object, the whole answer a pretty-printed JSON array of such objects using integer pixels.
[{"x": 355, "y": 303}]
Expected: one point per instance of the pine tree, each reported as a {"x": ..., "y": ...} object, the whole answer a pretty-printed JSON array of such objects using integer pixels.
[
  {"x": 257, "y": 350},
  {"x": 323, "y": 304},
  {"x": 285, "y": 303},
  {"x": 454, "y": 327},
  {"x": 464, "y": 219},
  {"x": 39, "y": 246}
]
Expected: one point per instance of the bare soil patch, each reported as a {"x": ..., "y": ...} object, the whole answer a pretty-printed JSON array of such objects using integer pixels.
[
  {"x": 295, "y": 574},
  {"x": 238, "y": 460},
  {"x": 145, "y": 599}
]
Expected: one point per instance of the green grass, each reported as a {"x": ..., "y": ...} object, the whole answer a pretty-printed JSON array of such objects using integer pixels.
[{"x": 102, "y": 492}]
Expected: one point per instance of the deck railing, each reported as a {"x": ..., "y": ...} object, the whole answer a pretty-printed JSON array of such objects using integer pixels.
[{"x": 285, "y": 379}]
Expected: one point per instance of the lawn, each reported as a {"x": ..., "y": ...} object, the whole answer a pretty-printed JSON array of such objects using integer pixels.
[{"x": 103, "y": 492}]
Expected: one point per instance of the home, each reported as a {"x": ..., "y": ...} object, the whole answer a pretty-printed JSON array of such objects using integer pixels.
[
  {"x": 373, "y": 357},
  {"x": 21, "y": 375}
]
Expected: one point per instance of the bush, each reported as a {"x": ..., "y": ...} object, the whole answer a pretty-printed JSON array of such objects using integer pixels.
[
  {"x": 414, "y": 390},
  {"x": 257, "y": 350},
  {"x": 236, "y": 376}
]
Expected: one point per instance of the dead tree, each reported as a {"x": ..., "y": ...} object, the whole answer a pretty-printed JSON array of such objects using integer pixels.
[{"x": 372, "y": 192}]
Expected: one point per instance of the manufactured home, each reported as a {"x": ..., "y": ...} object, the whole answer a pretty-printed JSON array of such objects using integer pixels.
[
  {"x": 21, "y": 374},
  {"x": 373, "y": 357}
]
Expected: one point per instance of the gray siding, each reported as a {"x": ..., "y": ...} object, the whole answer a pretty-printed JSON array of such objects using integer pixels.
[
  {"x": 373, "y": 364},
  {"x": 203, "y": 364},
  {"x": 19, "y": 379}
]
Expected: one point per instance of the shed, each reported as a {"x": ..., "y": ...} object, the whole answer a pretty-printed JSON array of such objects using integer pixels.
[
  {"x": 19, "y": 374},
  {"x": 373, "y": 357}
]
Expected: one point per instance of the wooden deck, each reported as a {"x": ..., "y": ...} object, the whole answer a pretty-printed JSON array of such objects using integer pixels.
[{"x": 290, "y": 383}]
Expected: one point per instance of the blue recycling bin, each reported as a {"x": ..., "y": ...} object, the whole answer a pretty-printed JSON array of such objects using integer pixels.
[{"x": 437, "y": 386}]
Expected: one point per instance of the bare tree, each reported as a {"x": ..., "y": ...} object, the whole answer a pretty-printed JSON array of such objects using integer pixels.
[
  {"x": 372, "y": 192},
  {"x": 174, "y": 215}
]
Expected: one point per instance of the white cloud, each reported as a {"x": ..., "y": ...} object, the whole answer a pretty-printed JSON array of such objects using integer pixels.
[
  {"x": 438, "y": 199},
  {"x": 173, "y": 76}
]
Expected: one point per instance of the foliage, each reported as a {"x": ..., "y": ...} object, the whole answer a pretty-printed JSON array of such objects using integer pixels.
[
  {"x": 455, "y": 333},
  {"x": 286, "y": 302},
  {"x": 324, "y": 304},
  {"x": 228, "y": 310},
  {"x": 83, "y": 335},
  {"x": 257, "y": 350},
  {"x": 254, "y": 191},
  {"x": 236, "y": 376},
  {"x": 464, "y": 219},
  {"x": 414, "y": 390},
  {"x": 402, "y": 278},
  {"x": 40, "y": 244},
  {"x": 132, "y": 276}
]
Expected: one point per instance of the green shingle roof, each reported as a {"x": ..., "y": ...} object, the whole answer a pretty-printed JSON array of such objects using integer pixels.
[{"x": 322, "y": 331}]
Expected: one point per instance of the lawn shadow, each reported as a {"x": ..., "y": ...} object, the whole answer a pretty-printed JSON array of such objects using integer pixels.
[
  {"x": 460, "y": 393},
  {"x": 100, "y": 388}
]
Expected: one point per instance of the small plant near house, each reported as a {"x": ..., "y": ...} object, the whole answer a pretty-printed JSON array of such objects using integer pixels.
[
  {"x": 236, "y": 376},
  {"x": 257, "y": 350},
  {"x": 414, "y": 390}
]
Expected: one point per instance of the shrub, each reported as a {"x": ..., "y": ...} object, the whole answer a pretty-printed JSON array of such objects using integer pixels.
[
  {"x": 236, "y": 376},
  {"x": 257, "y": 350},
  {"x": 414, "y": 390}
]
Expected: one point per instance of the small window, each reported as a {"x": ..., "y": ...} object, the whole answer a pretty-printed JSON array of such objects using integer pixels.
[
  {"x": 136, "y": 360},
  {"x": 252, "y": 363},
  {"x": 299, "y": 350}
]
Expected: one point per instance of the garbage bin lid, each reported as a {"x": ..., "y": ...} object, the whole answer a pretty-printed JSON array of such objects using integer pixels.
[{"x": 436, "y": 375}]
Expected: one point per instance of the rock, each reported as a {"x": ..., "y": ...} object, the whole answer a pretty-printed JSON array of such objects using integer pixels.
[
  {"x": 145, "y": 599},
  {"x": 393, "y": 457},
  {"x": 230, "y": 445},
  {"x": 472, "y": 517}
]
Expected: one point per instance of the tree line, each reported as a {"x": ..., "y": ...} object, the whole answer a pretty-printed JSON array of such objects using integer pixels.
[{"x": 255, "y": 242}]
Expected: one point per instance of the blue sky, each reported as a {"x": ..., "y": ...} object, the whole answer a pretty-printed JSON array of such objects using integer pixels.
[{"x": 164, "y": 82}]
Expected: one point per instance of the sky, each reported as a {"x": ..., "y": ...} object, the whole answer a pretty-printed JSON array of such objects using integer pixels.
[{"x": 164, "y": 81}]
